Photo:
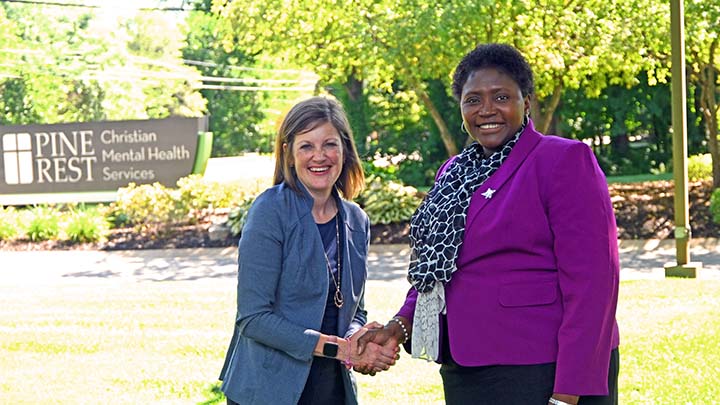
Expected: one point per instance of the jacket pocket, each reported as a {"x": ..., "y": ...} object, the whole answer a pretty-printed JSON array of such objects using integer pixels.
[{"x": 528, "y": 294}]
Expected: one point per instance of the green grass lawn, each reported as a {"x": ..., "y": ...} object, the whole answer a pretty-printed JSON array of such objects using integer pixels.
[
  {"x": 117, "y": 340},
  {"x": 637, "y": 178}
]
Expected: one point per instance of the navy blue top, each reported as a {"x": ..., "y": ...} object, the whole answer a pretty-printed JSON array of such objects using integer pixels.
[
  {"x": 328, "y": 232},
  {"x": 324, "y": 384}
]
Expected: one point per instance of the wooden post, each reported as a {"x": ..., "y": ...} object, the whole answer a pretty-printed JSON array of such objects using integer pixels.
[{"x": 683, "y": 267}]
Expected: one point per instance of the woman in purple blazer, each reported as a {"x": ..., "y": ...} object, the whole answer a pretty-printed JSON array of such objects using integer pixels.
[{"x": 514, "y": 265}]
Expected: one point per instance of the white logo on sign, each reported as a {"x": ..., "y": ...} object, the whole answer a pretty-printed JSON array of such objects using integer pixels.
[{"x": 17, "y": 154}]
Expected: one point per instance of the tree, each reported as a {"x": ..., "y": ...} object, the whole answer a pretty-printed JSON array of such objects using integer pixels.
[
  {"x": 235, "y": 115},
  {"x": 703, "y": 58},
  {"x": 65, "y": 66},
  {"x": 354, "y": 43},
  {"x": 153, "y": 57},
  {"x": 46, "y": 67},
  {"x": 570, "y": 44}
]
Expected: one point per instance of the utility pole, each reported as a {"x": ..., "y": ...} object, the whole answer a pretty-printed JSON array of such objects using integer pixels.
[{"x": 683, "y": 267}]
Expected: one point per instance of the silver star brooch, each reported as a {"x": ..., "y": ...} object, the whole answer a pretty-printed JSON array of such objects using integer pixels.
[{"x": 488, "y": 193}]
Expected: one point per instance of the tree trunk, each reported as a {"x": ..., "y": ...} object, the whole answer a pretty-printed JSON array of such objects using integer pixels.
[
  {"x": 447, "y": 139},
  {"x": 620, "y": 144},
  {"x": 353, "y": 99},
  {"x": 710, "y": 111},
  {"x": 543, "y": 115}
]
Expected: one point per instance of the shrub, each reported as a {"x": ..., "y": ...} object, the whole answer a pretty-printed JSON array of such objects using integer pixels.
[
  {"x": 86, "y": 225},
  {"x": 238, "y": 215},
  {"x": 388, "y": 202},
  {"x": 8, "y": 223},
  {"x": 44, "y": 224},
  {"x": 149, "y": 207},
  {"x": 384, "y": 172},
  {"x": 155, "y": 207},
  {"x": 715, "y": 205},
  {"x": 700, "y": 167},
  {"x": 198, "y": 195}
]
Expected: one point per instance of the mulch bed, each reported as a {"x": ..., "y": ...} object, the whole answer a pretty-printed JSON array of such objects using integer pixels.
[
  {"x": 645, "y": 210},
  {"x": 642, "y": 210}
]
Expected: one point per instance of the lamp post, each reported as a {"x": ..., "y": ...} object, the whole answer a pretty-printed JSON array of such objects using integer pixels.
[{"x": 683, "y": 267}]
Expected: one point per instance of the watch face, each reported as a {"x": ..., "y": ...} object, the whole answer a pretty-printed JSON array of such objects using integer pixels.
[{"x": 330, "y": 349}]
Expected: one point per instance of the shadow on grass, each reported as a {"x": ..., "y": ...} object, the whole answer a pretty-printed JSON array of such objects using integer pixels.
[{"x": 213, "y": 395}]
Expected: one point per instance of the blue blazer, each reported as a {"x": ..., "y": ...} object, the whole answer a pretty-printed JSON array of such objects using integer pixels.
[{"x": 281, "y": 295}]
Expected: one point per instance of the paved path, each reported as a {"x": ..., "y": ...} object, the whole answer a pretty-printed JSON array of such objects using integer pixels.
[{"x": 638, "y": 259}]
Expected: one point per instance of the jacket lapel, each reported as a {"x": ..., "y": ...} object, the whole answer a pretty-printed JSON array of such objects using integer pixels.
[{"x": 527, "y": 142}]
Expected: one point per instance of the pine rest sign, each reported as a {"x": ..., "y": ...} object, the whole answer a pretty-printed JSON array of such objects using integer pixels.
[{"x": 90, "y": 161}]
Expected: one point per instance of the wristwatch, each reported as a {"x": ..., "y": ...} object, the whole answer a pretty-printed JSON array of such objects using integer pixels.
[{"x": 330, "y": 349}]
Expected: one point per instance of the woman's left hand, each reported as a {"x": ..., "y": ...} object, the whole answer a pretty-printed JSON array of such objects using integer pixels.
[{"x": 568, "y": 399}]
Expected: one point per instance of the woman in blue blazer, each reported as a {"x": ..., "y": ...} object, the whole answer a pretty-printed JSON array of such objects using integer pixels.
[{"x": 302, "y": 271}]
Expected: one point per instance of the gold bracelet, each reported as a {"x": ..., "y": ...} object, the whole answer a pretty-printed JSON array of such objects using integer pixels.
[{"x": 402, "y": 326}]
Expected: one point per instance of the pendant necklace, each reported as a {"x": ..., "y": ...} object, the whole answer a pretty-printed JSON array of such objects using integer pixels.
[{"x": 338, "y": 298}]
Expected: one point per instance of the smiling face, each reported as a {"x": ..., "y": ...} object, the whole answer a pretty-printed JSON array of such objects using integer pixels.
[
  {"x": 317, "y": 156},
  {"x": 493, "y": 107}
]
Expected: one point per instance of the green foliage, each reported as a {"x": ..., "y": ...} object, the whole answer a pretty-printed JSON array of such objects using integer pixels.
[
  {"x": 8, "y": 223},
  {"x": 715, "y": 205},
  {"x": 86, "y": 225},
  {"x": 700, "y": 167},
  {"x": 388, "y": 202},
  {"x": 401, "y": 47},
  {"x": 235, "y": 114},
  {"x": 63, "y": 64},
  {"x": 49, "y": 83},
  {"x": 238, "y": 215},
  {"x": 703, "y": 64},
  {"x": 44, "y": 223},
  {"x": 155, "y": 208},
  {"x": 406, "y": 136},
  {"x": 198, "y": 195},
  {"x": 629, "y": 128},
  {"x": 384, "y": 172},
  {"x": 149, "y": 207}
]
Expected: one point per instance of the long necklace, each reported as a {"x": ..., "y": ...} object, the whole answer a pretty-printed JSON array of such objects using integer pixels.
[{"x": 338, "y": 298}]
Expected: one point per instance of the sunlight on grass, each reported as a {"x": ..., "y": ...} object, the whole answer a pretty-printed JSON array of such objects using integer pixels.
[
  {"x": 669, "y": 334},
  {"x": 122, "y": 341}
]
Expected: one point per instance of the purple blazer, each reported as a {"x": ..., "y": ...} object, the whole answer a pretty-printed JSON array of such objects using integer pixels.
[{"x": 538, "y": 271}]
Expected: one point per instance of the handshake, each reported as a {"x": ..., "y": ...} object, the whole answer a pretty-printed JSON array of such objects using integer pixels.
[{"x": 376, "y": 347}]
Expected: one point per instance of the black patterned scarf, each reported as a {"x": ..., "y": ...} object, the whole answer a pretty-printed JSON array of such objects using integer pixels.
[{"x": 437, "y": 230}]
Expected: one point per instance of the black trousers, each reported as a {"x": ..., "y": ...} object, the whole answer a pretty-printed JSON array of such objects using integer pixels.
[{"x": 513, "y": 385}]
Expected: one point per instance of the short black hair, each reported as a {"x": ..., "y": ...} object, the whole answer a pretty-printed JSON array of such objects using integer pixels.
[{"x": 503, "y": 57}]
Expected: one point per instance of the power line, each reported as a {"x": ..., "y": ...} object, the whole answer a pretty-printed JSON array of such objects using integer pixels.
[
  {"x": 57, "y": 4},
  {"x": 213, "y": 64}
]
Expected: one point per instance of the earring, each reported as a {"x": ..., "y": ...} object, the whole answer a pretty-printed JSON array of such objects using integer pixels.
[{"x": 463, "y": 129}]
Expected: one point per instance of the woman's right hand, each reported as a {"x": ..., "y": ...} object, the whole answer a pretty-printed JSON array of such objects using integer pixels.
[
  {"x": 387, "y": 338},
  {"x": 374, "y": 358},
  {"x": 390, "y": 334}
]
